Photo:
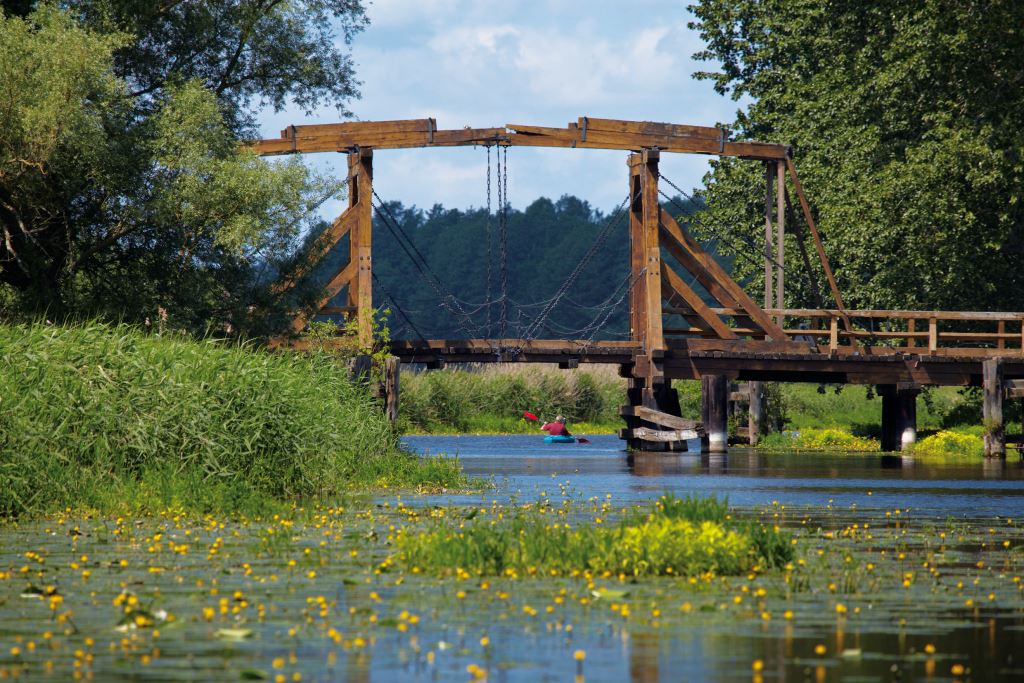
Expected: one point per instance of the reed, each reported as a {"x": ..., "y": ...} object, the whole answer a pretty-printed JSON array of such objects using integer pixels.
[
  {"x": 87, "y": 412},
  {"x": 492, "y": 398}
]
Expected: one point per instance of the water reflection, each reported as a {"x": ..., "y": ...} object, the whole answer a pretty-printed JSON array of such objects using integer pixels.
[{"x": 523, "y": 465}]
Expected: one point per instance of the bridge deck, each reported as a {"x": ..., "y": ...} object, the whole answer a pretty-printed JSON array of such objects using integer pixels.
[{"x": 690, "y": 359}]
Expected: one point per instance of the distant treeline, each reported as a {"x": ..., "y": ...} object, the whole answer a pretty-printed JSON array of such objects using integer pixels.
[{"x": 459, "y": 289}]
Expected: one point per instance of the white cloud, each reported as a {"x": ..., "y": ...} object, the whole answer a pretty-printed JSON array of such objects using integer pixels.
[{"x": 542, "y": 62}]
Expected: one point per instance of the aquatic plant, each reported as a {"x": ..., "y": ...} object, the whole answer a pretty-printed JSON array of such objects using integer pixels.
[
  {"x": 818, "y": 440},
  {"x": 947, "y": 443},
  {"x": 673, "y": 537},
  {"x": 88, "y": 412}
]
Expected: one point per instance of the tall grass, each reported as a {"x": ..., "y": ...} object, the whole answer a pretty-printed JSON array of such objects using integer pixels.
[
  {"x": 672, "y": 537},
  {"x": 493, "y": 398},
  {"x": 88, "y": 411}
]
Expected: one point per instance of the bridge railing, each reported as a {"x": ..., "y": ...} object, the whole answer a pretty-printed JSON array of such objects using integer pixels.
[{"x": 920, "y": 332}]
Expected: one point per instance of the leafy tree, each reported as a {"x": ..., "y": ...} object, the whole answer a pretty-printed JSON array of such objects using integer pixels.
[
  {"x": 907, "y": 125},
  {"x": 123, "y": 189}
]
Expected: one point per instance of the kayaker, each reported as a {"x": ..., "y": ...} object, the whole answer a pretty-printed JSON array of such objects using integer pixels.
[{"x": 557, "y": 428}]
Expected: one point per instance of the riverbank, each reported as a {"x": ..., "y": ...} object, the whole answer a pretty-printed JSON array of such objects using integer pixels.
[{"x": 113, "y": 419}]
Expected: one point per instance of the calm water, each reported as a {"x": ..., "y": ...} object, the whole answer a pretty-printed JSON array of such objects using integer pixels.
[
  {"x": 931, "y": 592},
  {"x": 523, "y": 466}
]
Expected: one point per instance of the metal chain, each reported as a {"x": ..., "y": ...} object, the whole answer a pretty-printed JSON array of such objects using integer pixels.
[
  {"x": 398, "y": 308},
  {"x": 503, "y": 241},
  {"x": 487, "y": 286},
  {"x": 602, "y": 237},
  {"x": 719, "y": 236},
  {"x": 427, "y": 274}
]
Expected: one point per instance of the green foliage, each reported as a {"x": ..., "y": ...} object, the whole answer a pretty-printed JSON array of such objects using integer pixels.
[
  {"x": 948, "y": 443},
  {"x": 463, "y": 400},
  {"x": 123, "y": 189},
  {"x": 906, "y": 123},
  {"x": 90, "y": 410},
  {"x": 674, "y": 537},
  {"x": 817, "y": 440}
]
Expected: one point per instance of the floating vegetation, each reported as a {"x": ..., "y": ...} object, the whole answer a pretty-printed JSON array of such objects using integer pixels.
[
  {"x": 318, "y": 593},
  {"x": 818, "y": 440},
  {"x": 682, "y": 537}
]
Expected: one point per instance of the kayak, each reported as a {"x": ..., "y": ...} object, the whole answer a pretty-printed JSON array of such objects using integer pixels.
[{"x": 559, "y": 439}]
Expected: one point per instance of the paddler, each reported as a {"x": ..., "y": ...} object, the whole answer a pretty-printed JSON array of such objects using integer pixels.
[{"x": 557, "y": 428}]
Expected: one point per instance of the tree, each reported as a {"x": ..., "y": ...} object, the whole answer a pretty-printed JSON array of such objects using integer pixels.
[
  {"x": 907, "y": 127},
  {"x": 123, "y": 188}
]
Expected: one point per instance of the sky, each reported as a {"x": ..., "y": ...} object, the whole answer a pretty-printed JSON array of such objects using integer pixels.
[{"x": 537, "y": 62}]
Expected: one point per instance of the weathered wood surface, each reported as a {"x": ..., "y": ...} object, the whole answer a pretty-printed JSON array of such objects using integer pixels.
[
  {"x": 658, "y": 435},
  {"x": 587, "y": 133},
  {"x": 992, "y": 407},
  {"x": 659, "y": 418}
]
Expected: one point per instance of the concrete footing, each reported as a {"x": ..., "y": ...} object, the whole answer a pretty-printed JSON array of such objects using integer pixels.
[{"x": 899, "y": 416}]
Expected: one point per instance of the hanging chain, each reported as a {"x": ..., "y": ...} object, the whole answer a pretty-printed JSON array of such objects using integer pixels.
[
  {"x": 503, "y": 237},
  {"x": 487, "y": 285}
]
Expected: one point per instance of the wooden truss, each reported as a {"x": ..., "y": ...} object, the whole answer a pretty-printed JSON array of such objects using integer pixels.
[{"x": 651, "y": 228}]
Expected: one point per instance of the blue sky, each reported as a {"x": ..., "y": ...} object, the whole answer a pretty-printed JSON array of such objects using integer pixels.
[{"x": 539, "y": 62}]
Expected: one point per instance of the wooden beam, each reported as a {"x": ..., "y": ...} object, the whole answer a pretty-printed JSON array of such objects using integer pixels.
[
  {"x": 812, "y": 226},
  {"x": 658, "y": 417},
  {"x": 769, "y": 266},
  {"x": 747, "y": 305},
  {"x": 658, "y": 435},
  {"x": 673, "y": 283},
  {"x": 780, "y": 239},
  {"x": 798, "y": 233},
  {"x": 340, "y": 279},
  {"x": 339, "y": 228}
]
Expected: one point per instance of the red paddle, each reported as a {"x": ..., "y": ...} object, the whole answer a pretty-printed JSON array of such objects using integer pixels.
[{"x": 533, "y": 418}]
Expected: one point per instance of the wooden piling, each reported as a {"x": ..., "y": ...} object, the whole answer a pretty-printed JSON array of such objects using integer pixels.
[
  {"x": 992, "y": 413},
  {"x": 391, "y": 375},
  {"x": 906, "y": 415},
  {"x": 714, "y": 403},
  {"x": 756, "y": 411}
]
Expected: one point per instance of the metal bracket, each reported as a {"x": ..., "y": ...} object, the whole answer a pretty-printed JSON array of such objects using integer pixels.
[
  {"x": 431, "y": 127},
  {"x": 583, "y": 136},
  {"x": 723, "y": 135}
]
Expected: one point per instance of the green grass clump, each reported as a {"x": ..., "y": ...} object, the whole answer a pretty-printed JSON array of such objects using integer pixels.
[
  {"x": 818, "y": 440},
  {"x": 947, "y": 443},
  {"x": 680, "y": 537},
  {"x": 89, "y": 412},
  {"x": 493, "y": 398}
]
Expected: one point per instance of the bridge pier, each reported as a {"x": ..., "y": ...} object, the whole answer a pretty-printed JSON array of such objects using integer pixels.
[
  {"x": 714, "y": 412},
  {"x": 899, "y": 415},
  {"x": 992, "y": 409}
]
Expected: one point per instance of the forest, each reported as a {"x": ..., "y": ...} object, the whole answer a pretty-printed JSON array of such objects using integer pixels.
[{"x": 126, "y": 193}]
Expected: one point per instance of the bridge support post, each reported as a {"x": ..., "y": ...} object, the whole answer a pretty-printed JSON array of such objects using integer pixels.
[
  {"x": 647, "y": 387},
  {"x": 360, "y": 199},
  {"x": 755, "y": 419},
  {"x": 899, "y": 415},
  {"x": 714, "y": 409},
  {"x": 992, "y": 410}
]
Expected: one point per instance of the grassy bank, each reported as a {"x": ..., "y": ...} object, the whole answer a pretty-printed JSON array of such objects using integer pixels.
[
  {"x": 112, "y": 418},
  {"x": 491, "y": 399}
]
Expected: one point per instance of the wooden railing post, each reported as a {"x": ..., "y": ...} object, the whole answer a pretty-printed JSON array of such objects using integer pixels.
[
  {"x": 911, "y": 341},
  {"x": 833, "y": 334},
  {"x": 933, "y": 335}
]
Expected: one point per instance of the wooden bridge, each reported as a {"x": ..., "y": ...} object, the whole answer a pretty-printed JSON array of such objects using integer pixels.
[{"x": 900, "y": 351}]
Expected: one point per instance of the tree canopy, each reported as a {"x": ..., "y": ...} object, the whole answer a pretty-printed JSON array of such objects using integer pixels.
[
  {"x": 907, "y": 127},
  {"x": 123, "y": 188}
]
